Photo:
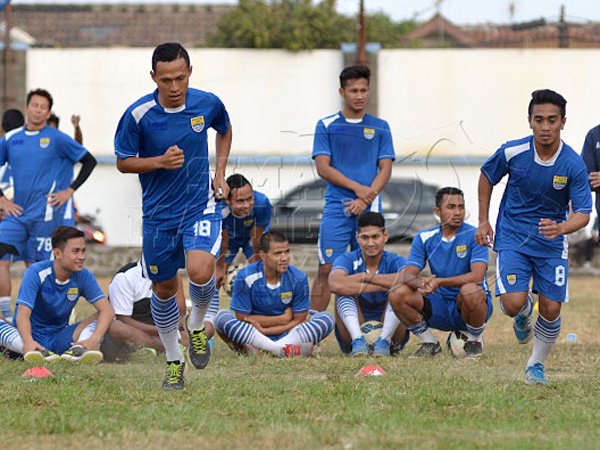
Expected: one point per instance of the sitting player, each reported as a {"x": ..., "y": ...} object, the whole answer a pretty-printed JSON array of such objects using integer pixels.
[
  {"x": 361, "y": 279},
  {"x": 245, "y": 218},
  {"x": 271, "y": 301},
  {"x": 455, "y": 297},
  {"x": 48, "y": 293}
]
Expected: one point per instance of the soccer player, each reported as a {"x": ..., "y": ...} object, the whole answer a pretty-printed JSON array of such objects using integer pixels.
[
  {"x": 245, "y": 218},
  {"x": 353, "y": 152},
  {"x": 48, "y": 293},
  {"x": 361, "y": 280},
  {"x": 271, "y": 302},
  {"x": 544, "y": 176},
  {"x": 455, "y": 297},
  {"x": 54, "y": 122},
  {"x": 163, "y": 138},
  {"x": 41, "y": 159},
  {"x": 11, "y": 119}
]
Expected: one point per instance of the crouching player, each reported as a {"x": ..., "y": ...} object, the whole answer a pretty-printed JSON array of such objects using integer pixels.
[
  {"x": 455, "y": 297},
  {"x": 361, "y": 280},
  {"x": 271, "y": 301},
  {"x": 48, "y": 293}
]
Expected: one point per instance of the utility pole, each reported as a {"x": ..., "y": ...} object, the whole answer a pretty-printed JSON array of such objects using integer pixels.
[
  {"x": 362, "y": 35},
  {"x": 563, "y": 30}
]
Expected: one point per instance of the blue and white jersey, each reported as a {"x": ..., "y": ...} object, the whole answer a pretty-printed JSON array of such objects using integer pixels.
[
  {"x": 253, "y": 295},
  {"x": 41, "y": 162},
  {"x": 353, "y": 262},
  {"x": 536, "y": 190},
  {"x": 171, "y": 198},
  {"x": 239, "y": 228},
  {"x": 448, "y": 257},
  {"x": 355, "y": 148},
  {"x": 51, "y": 301}
]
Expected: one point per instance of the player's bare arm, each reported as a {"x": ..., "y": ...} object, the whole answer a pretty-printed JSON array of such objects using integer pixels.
[
  {"x": 223, "y": 147},
  {"x": 297, "y": 319},
  {"x": 475, "y": 276},
  {"x": 172, "y": 159},
  {"x": 10, "y": 207},
  {"x": 24, "y": 327},
  {"x": 382, "y": 178},
  {"x": 341, "y": 283},
  {"x": 256, "y": 233},
  {"x": 485, "y": 233},
  {"x": 551, "y": 229},
  {"x": 595, "y": 180},
  {"x": 221, "y": 266},
  {"x": 267, "y": 321},
  {"x": 106, "y": 315},
  {"x": 334, "y": 176}
]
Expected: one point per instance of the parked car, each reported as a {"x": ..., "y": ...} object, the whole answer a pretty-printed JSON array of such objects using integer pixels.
[
  {"x": 92, "y": 230},
  {"x": 407, "y": 205}
]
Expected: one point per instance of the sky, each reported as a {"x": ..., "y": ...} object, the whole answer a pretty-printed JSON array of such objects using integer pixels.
[{"x": 458, "y": 11}]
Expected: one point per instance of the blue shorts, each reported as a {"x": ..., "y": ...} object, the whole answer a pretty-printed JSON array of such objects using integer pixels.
[
  {"x": 33, "y": 240},
  {"x": 164, "y": 250},
  {"x": 514, "y": 271},
  {"x": 443, "y": 313},
  {"x": 234, "y": 247},
  {"x": 337, "y": 231},
  {"x": 58, "y": 341},
  {"x": 370, "y": 311}
]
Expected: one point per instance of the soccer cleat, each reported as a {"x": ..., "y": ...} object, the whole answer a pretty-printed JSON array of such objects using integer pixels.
[
  {"x": 40, "y": 356},
  {"x": 473, "y": 350},
  {"x": 427, "y": 350},
  {"x": 523, "y": 329},
  {"x": 174, "y": 376},
  {"x": 359, "y": 347},
  {"x": 535, "y": 374},
  {"x": 381, "y": 347},
  {"x": 80, "y": 354},
  {"x": 397, "y": 347},
  {"x": 199, "y": 350}
]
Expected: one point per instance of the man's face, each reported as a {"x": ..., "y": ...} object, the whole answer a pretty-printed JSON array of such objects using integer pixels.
[
  {"x": 452, "y": 210},
  {"x": 278, "y": 257},
  {"x": 355, "y": 94},
  {"x": 241, "y": 201},
  {"x": 371, "y": 240},
  {"x": 72, "y": 257},
  {"x": 172, "y": 79},
  {"x": 546, "y": 123},
  {"x": 37, "y": 111}
]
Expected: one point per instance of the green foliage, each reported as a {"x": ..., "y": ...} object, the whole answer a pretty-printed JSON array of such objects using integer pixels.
[{"x": 299, "y": 25}]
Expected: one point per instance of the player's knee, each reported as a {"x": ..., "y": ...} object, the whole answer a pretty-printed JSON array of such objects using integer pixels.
[
  {"x": 325, "y": 317},
  {"x": 400, "y": 296},
  {"x": 472, "y": 297},
  {"x": 325, "y": 270},
  {"x": 165, "y": 289},
  {"x": 509, "y": 308},
  {"x": 549, "y": 310}
]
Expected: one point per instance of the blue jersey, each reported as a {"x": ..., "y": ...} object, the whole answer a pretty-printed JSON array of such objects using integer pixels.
[
  {"x": 591, "y": 157},
  {"x": 448, "y": 258},
  {"x": 352, "y": 262},
  {"x": 171, "y": 198},
  {"x": 536, "y": 190},
  {"x": 252, "y": 295},
  {"x": 51, "y": 302},
  {"x": 41, "y": 162},
  {"x": 239, "y": 228},
  {"x": 354, "y": 148}
]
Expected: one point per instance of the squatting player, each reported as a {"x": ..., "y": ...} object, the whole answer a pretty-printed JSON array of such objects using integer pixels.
[
  {"x": 353, "y": 152},
  {"x": 163, "y": 137},
  {"x": 544, "y": 175}
]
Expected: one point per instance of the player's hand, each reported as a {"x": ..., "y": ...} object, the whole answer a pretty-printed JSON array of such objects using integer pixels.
[
  {"x": 485, "y": 235},
  {"x": 549, "y": 229},
  {"x": 430, "y": 284},
  {"x": 90, "y": 343},
  {"x": 10, "y": 208},
  {"x": 184, "y": 338},
  {"x": 356, "y": 206},
  {"x": 57, "y": 199},
  {"x": 75, "y": 120},
  {"x": 220, "y": 187},
  {"x": 220, "y": 275},
  {"x": 366, "y": 193},
  {"x": 32, "y": 346},
  {"x": 255, "y": 324},
  {"x": 595, "y": 180},
  {"x": 172, "y": 159},
  {"x": 288, "y": 314}
]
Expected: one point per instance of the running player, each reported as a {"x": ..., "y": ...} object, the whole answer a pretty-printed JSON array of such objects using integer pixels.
[
  {"x": 163, "y": 138},
  {"x": 544, "y": 176},
  {"x": 353, "y": 152}
]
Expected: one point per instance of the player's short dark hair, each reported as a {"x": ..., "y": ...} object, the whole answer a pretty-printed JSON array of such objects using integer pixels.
[
  {"x": 11, "y": 119},
  {"x": 62, "y": 234},
  {"x": 271, "y": 236},
  {"x": 542, "y": 96},
  {"x": 371, "y": 219},
  {"x": 354, "y": 73},
  {"x": 237, "y": 181},
  {"x": 448, "y": 190},
  {"x": 54, "y": 119},
  {"x": 42, "y": 93},
  {"x": 169, "y": 51}
]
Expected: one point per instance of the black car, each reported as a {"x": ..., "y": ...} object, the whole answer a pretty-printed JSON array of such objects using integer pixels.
[{"x": 407, "y": 205}]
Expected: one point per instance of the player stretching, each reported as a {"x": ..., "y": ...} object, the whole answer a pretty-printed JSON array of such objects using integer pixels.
[
  {"x": 544, "y": 175},
  {"x": 353, "y": 152},
  {"x": 163, "y": 137}
]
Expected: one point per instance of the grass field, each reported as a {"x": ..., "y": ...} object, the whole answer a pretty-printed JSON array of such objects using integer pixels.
[{"x": 267, "y": 403}]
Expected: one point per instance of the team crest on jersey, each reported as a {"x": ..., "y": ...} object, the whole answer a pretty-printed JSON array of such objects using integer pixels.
[
  {"x": 197, "y": 124},
  {"x": 286, "y": 297},
  {"x": 328, "y": 252},
  {"x": 461, "y": 251},
  {"x": 73, "y": 294},
  {"x": 511, "y": 279},
  {"x": 559, "y": 182},
  {"x": 369, "y": 133},
  {"x": 44, "y": 142},
  {"x": 153, "y": 269},
  {"x": 248, "y": 222}
]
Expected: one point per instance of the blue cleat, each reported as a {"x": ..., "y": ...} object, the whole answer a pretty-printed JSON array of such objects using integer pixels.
[
  {"x": 359, "y": 347},
  {"x": 381, "y": 347},
  {"x": 522, "y": 324},
  {"x": 535, "y": 374}
]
